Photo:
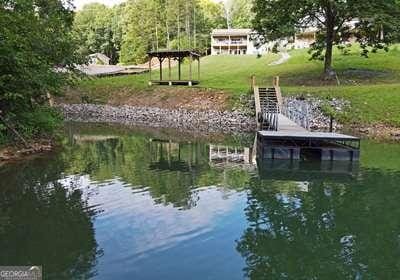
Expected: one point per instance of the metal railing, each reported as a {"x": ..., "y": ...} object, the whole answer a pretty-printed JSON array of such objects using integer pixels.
[
  {"x": 227, "y": 42},
  {"x": 299, "y": 113},
  {"x": 270, "y": 119}
]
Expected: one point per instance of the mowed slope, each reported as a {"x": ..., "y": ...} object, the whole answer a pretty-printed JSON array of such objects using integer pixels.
[{"x": 371, "y": 85}]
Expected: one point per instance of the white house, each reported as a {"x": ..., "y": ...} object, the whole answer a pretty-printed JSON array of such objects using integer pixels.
[
  {"x": 235, "y": 42},
  {"x": 304, "y": 38},
  {"x": 244, "y": 41}
]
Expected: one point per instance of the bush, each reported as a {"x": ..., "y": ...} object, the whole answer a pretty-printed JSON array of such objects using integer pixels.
[{"x": 41, "y": 121}]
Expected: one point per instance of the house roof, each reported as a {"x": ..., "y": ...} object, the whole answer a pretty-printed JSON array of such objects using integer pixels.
[
  {"x": 231, "y": 32},
  {"x": 100, "y": 56}
]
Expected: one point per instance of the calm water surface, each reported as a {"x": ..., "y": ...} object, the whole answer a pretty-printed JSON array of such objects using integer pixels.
[{"x": 117, "y": 204}]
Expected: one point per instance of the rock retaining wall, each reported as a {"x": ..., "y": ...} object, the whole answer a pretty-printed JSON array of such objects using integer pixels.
[{"x": 207, "y": 121}]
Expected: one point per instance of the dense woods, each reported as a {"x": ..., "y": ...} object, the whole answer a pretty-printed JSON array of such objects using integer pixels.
[
  {"x": 126, "y": 32},
  {"x": 35, "y": 39}
]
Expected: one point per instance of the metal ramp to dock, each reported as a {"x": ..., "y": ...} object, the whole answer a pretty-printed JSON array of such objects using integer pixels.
[{"x": 280, "y": 137}]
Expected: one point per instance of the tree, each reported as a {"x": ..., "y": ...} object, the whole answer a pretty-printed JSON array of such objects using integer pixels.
[
  {"x": 376, "y": 23},
  {"x": 35, "y": 38},
  {"x": 239, "y": 13},
  {"x": 98, "y": 29},
  {"x": 165, "y": 24},
  {"x": 142, "y": 31}
]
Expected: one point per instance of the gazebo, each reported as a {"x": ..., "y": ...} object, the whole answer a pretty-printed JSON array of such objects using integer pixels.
[{"x": 178, "y": 55}]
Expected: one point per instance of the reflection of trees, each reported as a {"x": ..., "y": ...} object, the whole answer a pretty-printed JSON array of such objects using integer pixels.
[
  {"x": 170, "y": 171},
  {"x": 44, "y": 223},
  {"x": 333, "y": 231}
]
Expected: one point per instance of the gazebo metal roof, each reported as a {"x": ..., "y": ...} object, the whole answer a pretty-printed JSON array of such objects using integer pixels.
[
  {"x": 173, "y": 53},
  {"x": 178, "y": 55}
]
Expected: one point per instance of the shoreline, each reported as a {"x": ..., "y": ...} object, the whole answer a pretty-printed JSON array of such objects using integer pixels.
[
  {"x": 200, "y": 122},
  {"x": 13, "y": 153}
]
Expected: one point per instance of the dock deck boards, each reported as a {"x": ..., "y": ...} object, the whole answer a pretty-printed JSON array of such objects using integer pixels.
[
  {"x": 289, "y": 129},
  {"x": 307, "y": 135},
  {"x": 288, "y": 126}
]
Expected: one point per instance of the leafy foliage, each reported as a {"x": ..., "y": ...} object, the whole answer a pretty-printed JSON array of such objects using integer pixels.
[
  {"x": 373, "y": 24},
  {"x": 34, "y": 40},
  {"x": 239, "y": 13},
  {"x": 126, "y": 32},
  {"x": 98, "y": 29}
]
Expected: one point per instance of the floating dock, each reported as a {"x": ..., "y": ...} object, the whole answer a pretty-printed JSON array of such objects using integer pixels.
[
  {"x": 282, "y": 138},
  {"x": 297, "y": 145}
]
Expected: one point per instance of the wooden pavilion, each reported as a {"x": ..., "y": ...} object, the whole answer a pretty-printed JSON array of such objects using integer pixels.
[{"x": 178, "y": 55}]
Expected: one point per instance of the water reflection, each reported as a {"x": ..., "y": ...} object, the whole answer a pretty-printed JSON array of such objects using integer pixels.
[
  {"x": 339, "y": 227},
  {"x": 43, "y": 223},
  {"x": 117, "y": 204},
  {"x": 170, "y": 170}
]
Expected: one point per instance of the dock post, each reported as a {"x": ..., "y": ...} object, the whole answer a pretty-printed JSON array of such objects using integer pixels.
[
  {"x": 276, "y": 81},
  {"x": 253, "y": 82}
]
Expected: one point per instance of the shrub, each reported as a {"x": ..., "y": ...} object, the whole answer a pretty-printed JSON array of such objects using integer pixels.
[{"x": 41, "y": 121}]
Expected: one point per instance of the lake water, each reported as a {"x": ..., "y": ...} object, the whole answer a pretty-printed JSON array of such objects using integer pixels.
[{"x": 113, "y": 203}]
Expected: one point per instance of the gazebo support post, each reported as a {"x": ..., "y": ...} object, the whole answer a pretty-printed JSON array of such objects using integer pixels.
[
  {"x": 198, "y": 68},
  {"x": 190, "y": 70},
  {"x": 169, "y": 71},
  {"x": 161, "y": 61},
  {"x": 176, "y": 55},
  {"x": 179, "y": 68},
  {"x": 150, "y": 70}
]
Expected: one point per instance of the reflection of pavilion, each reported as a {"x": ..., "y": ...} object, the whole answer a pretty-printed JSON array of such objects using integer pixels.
[
  {"x": 167, "y": 155},
  {"x": 225, "y": 155}
]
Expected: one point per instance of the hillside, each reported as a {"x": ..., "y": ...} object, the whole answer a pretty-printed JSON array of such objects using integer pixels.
[{"x": 371, "y": 85}]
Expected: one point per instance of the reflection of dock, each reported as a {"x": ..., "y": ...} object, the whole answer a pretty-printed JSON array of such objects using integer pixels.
[
  {"x": 224, "y": 155},
  {"x": 290, "y": 170}
]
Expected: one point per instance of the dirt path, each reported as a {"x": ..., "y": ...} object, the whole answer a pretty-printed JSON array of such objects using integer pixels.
[{"x": 284, "y": 58}]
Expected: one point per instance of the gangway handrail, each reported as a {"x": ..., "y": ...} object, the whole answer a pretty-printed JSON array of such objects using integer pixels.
[{"x": 298, "y": 114}]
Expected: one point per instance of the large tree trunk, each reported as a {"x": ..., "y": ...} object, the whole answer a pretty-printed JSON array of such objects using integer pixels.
[
  {"x": 330, "y": 36},
  {"x": 328, "y": 70}
]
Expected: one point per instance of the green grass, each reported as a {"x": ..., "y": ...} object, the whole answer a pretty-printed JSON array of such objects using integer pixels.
[
  {"x": 371, "y": 85},
  {"x": 370, "y": 104}
]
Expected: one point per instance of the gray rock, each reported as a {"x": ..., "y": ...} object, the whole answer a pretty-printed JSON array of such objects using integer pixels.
[
  {"x": 191, "y": 120},
  {"x": 317, "y": 119}
]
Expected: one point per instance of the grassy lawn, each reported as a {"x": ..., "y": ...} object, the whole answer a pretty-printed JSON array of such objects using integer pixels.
[{"x": 371, "y": 85}]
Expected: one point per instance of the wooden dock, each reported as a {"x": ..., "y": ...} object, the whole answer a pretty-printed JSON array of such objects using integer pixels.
[{"x": 281, "y": 138}]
